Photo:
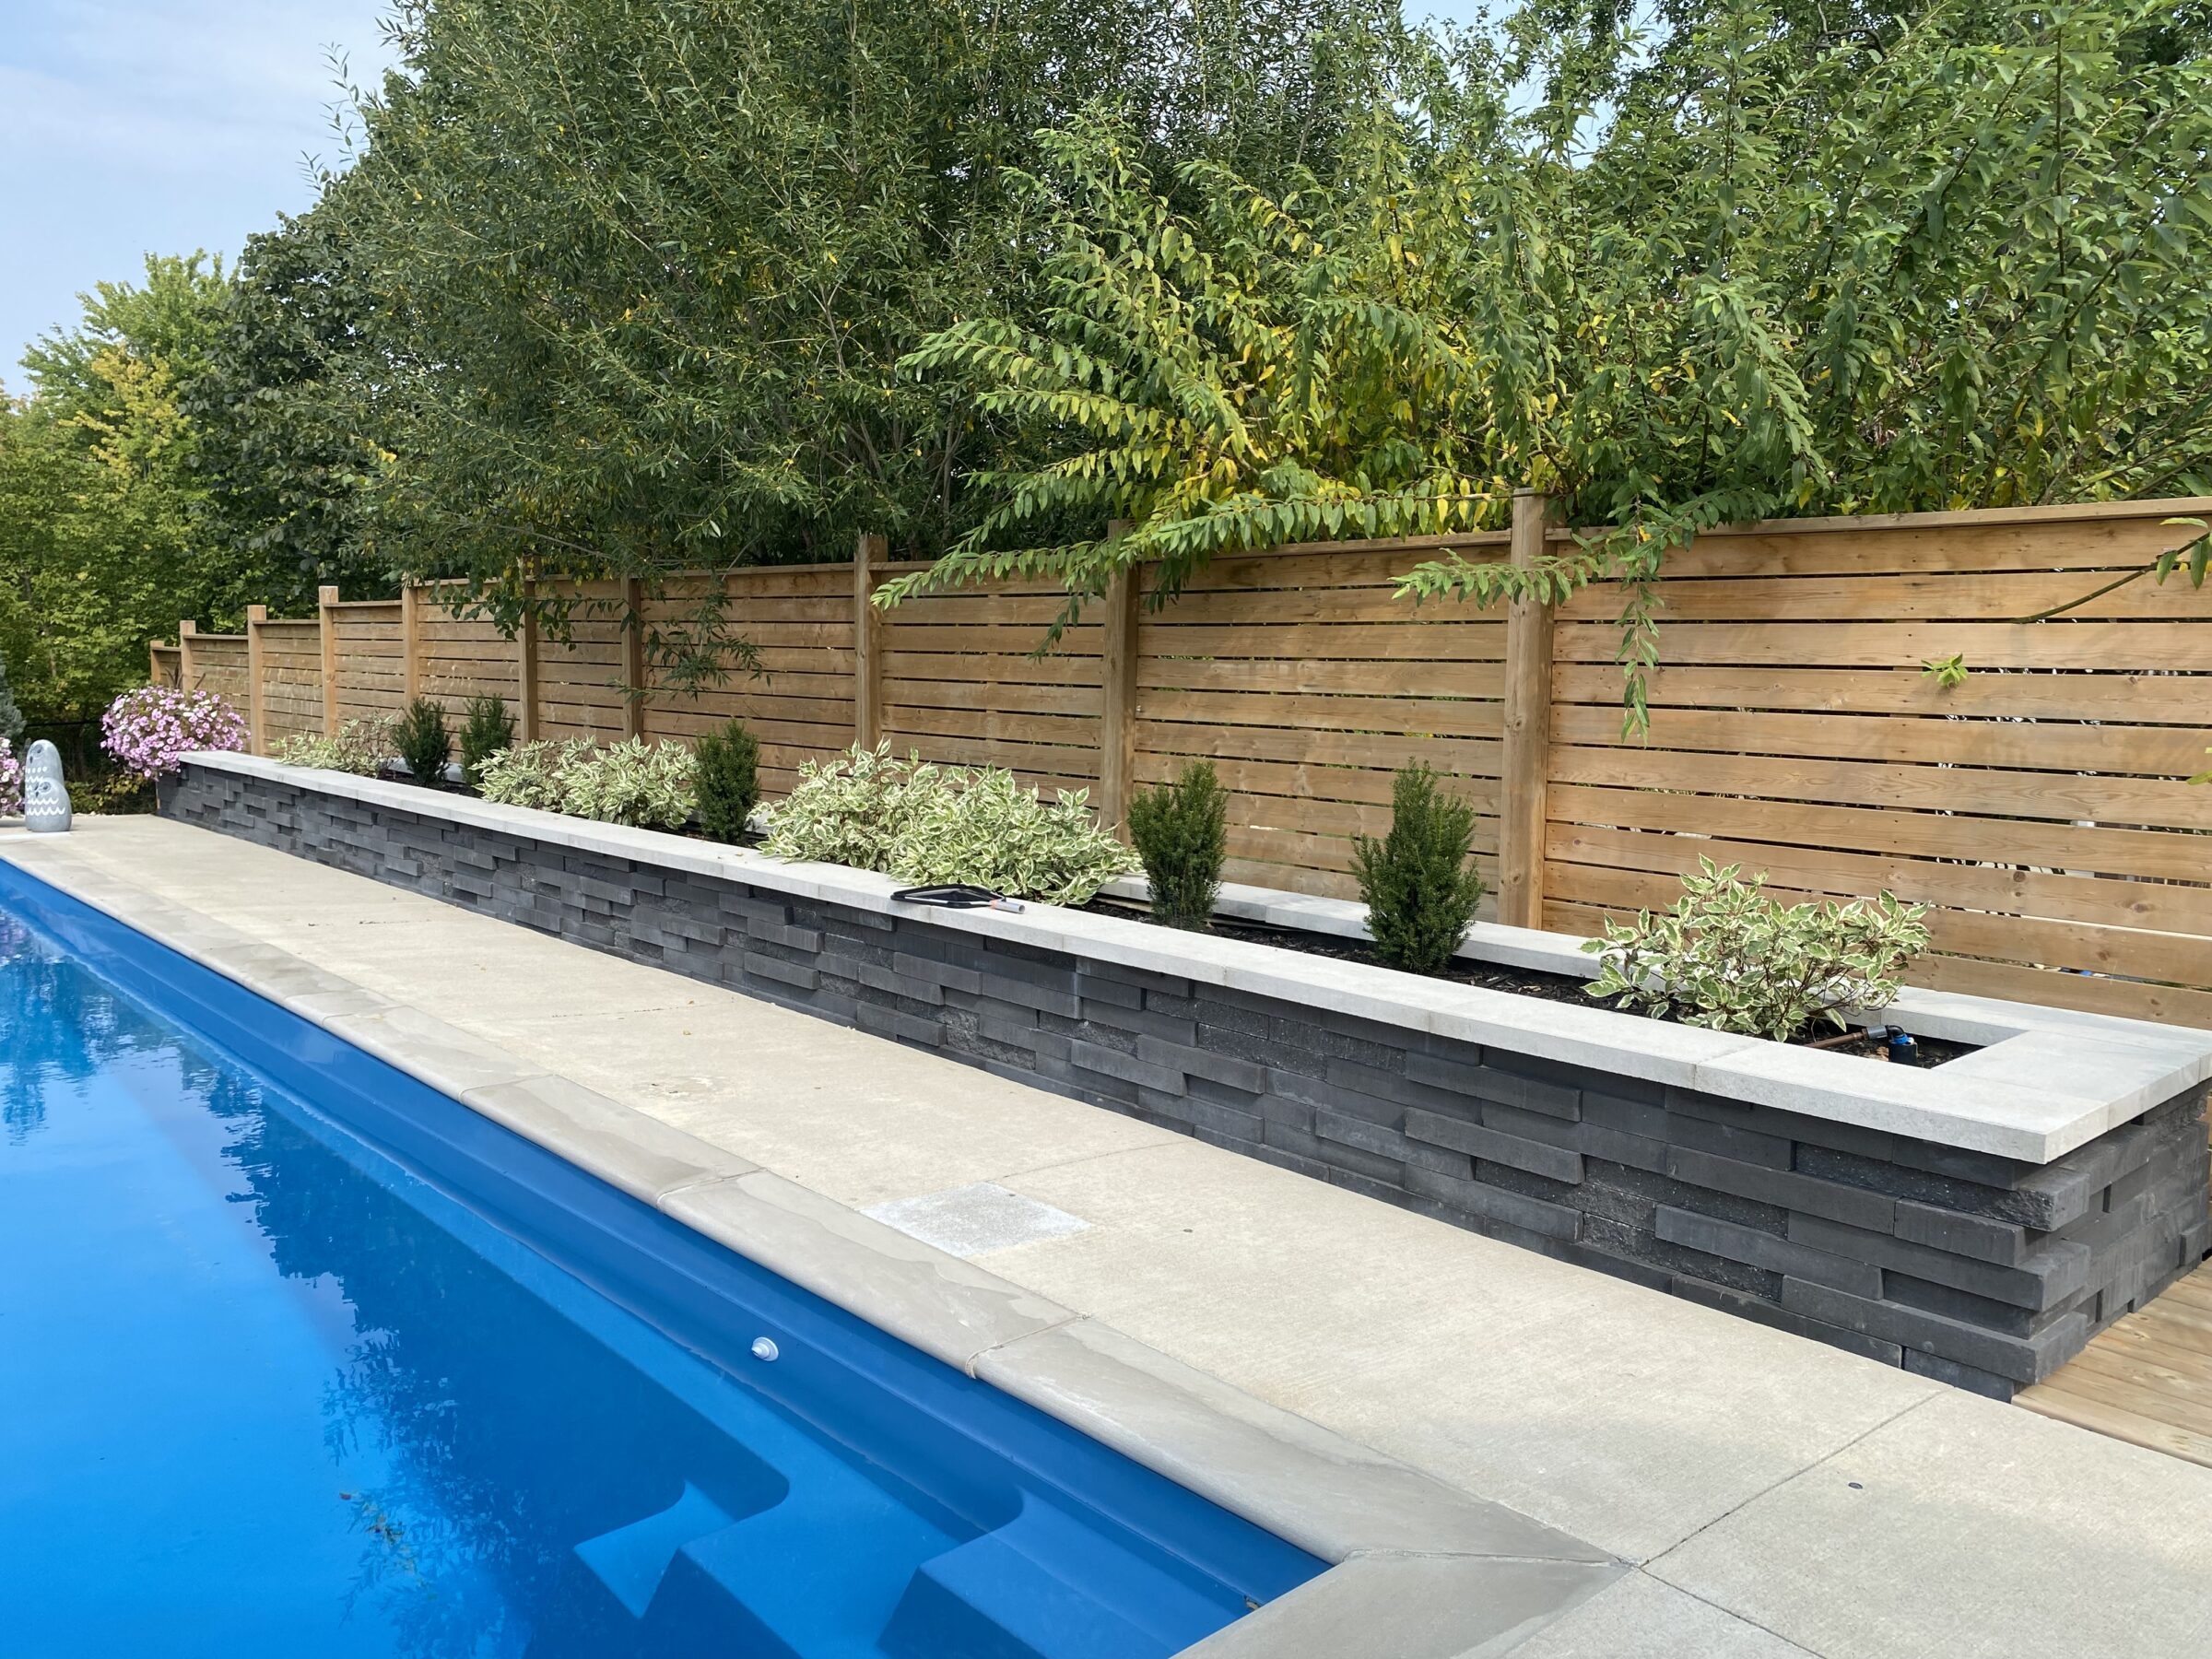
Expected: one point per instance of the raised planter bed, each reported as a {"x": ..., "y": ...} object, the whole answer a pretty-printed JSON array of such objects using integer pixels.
[{"x": 1974, "y": 1221}]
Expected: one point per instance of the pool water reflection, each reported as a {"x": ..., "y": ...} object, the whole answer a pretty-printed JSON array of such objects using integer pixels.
[{"x": 268, "y": 1386}]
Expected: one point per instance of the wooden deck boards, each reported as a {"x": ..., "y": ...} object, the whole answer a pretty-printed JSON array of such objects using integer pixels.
[{"x": 2146, "y": 1380}]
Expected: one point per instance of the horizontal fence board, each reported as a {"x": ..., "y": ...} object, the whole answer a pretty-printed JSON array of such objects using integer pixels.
[
  {"x": 2029, "y": 543},
  {"x": 900, "y": 665},
  {"x": 2143, "y": 751},
  {"x": 2127, "y": 998},
  {"x": 1330, "y": 607},
  {"x": 983, "y": 639},
  {"x": 1386, "y": 642},
  {"x": 1411, "y": 679},
  {"x": 911, "y": 692},
  {"x": 689, "y": 717},
  {"x": 1301, "y": 784},
  {"x": 966, "y": 608},
  {"x": 2148, "y": 854},
  {"x": 1371, "y": 752},
  {"x": 2133, "y": 802},
  {"x": 998, "y": 725},
  {"x": 1995, "y": 597},
  {"x": 1290, "y": 711},
  {"x": 798, "y": 737},
  {"x": 1246, "y": 866},
  {"x": 2176, "y": 647},
  {"x": 1990, "y": 694},
  {"x": 737, "y": 611},
  {"x": 1320, "y": 836},
  {"x": 1061, "y": 767},
  {"x": 1341, "y": 570}
]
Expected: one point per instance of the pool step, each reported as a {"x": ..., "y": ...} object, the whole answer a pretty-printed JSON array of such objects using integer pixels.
[
  {"x": 631, "y": 1560},
  {"x": 840, "y": 1569},
  {"x": 821, "y": 1574},
  {"x": 1045, "y": 1586}
]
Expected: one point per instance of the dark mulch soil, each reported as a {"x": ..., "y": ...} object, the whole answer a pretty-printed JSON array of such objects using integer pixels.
[{"x": 1491, "y": 976}]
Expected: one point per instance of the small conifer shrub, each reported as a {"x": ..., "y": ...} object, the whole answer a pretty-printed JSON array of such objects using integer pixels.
[
  {"x": 488, "y": 729},
  {"x": 1421, "y": 890},
  {"x": 420, "y": 737},
  {"x": 728, "y": 781},
  {"x": 1181, "y": 831}
]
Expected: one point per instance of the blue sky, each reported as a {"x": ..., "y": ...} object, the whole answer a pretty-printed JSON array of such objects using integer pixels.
[
  {"x": 130, "y": 125},
  {"x": 165, "y": 125}
]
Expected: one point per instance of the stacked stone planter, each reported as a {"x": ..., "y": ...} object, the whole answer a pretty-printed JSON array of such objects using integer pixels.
[{"x": 1976, "y": 1227}]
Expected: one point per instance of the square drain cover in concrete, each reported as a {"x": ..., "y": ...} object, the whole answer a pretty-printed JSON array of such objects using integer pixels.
[{"x": 969, "y": 1221}]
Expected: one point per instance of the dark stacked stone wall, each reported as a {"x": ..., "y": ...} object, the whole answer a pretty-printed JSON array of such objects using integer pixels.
[{"x": 1982, "y": 1271}]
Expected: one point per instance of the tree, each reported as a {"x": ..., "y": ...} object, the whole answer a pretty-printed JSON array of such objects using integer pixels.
[
  {"x": 287, "y": 413},
  {"x": 650, "y": 273},
  {"x": 101, "y": 512},
  {"x": 1956, "y": 264},
  {"x": 171, "y": 317},
  {"x": 11, "y": 716}
]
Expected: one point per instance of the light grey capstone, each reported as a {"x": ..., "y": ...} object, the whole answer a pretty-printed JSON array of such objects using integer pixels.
[
  {"x": 1411, "y": 1606},
  {"x": 45, "y": 796}
]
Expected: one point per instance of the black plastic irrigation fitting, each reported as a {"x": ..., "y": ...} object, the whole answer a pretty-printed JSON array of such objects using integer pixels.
[{"x": 956, "y": 895}]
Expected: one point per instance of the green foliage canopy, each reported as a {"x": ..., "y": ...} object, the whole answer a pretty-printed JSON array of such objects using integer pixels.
[
  {"x": 649, "y": 276},
  {"x": 1957, "y": 264},
  {"x": 97, "y": 497},
  {"x": 287, "y": 412}
]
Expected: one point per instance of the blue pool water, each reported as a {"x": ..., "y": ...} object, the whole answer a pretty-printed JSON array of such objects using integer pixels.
[{"x": 301, "y": 1358}]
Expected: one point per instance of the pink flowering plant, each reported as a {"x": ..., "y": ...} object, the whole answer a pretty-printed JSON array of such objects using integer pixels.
[
  {"x": 150, "y": 730},
  {"x": 11, "y": 781}
]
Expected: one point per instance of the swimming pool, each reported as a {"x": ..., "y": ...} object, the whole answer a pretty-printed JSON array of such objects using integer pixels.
[{"x": 299, "y": 1356}]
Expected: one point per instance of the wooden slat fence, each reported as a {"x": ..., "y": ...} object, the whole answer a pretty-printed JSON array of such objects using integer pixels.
[
  {"x": 456, "y": 658},
  {"x": 291, "y": 679},
  {"x": 961, "y": 684},
  {"x": 370, "y": 681},
  {"x": 214, "y": 663},
  {"x": 800, "y": 620},
  {"x": 580, "y": 688},
  {"x": 2038, "y": 806},
  {"x": 1308, "y": 684}
]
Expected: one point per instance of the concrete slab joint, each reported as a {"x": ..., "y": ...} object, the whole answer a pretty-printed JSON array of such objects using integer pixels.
[{"x": 1974, "y": 1223}]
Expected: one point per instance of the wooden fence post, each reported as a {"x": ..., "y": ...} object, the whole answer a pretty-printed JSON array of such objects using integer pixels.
[
  {"x": 326, "y": 600},
  {"x": 257, "y": 712},
  {"x": 1117, "y": 698},
  {"x": 525, "y": 673},
  {"x": 410, "y": 640},
  {"x": 867, "y": 643},
  {"x": 186, "y": 630},
  {"x": 633, "y": 658},
  {"x": 1527, "y": 759}
]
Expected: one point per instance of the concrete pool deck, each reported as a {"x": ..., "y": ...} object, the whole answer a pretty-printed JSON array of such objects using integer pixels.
[{"x": 1774, "y": 1497}]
